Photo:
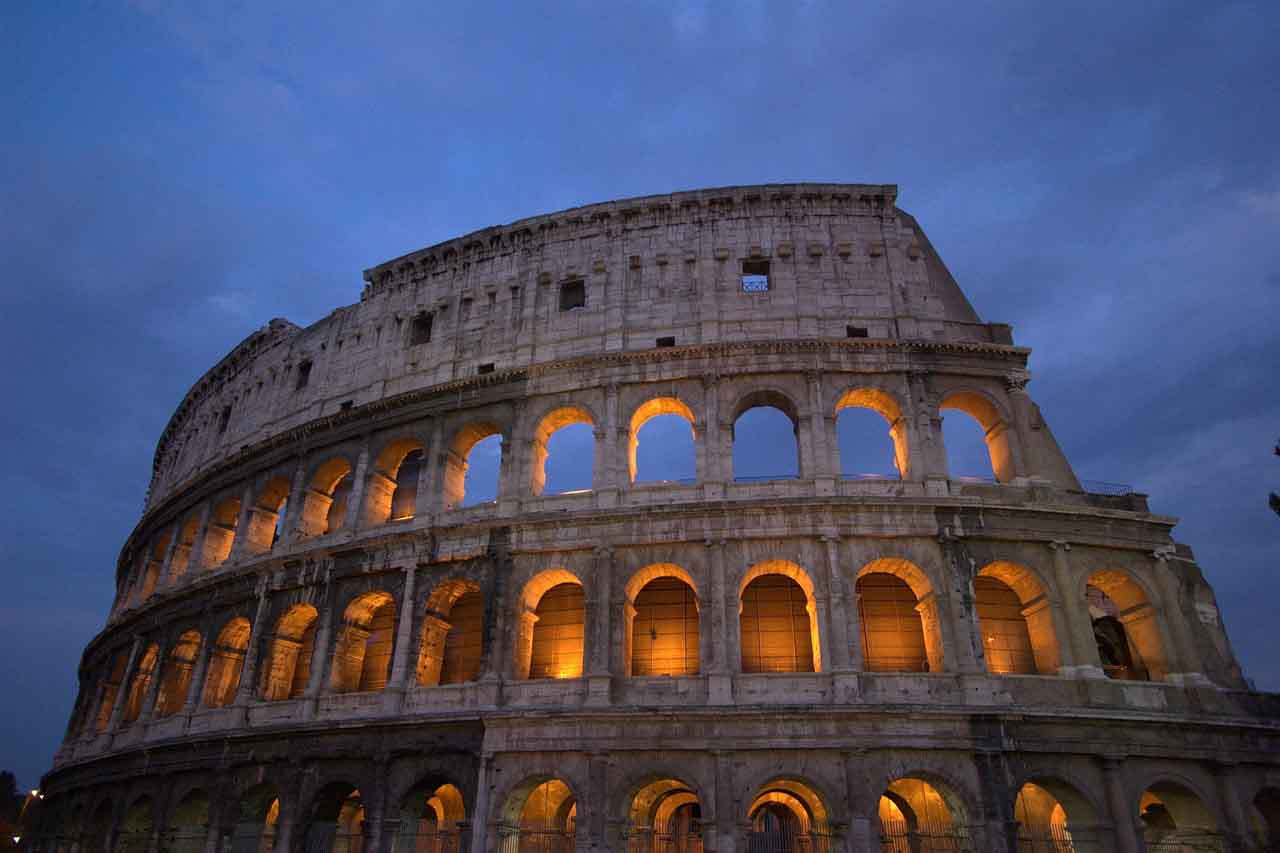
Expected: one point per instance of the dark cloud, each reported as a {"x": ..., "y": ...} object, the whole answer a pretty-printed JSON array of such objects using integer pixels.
[{"x": 1103, "y": 177}]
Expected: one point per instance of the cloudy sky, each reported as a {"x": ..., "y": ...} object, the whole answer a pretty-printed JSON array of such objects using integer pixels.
[{"x": 1103, "y": 178}]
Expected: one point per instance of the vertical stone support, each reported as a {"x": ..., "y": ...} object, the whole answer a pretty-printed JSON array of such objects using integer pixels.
[
  {"x": 609, "y": 461},
  {"x": 290, "y": 531},
  {"x": 1235, "y": 823},
  {"x": 515, "y": 476},
  {"x": 240, "y": 545},
  {"x": 1182, "y": 659},
  {"x": 434, "y": 631},
  {"x": 820, "y": 468},
  {"x": 166, "y": 566},
  {"x": 597, "y": 627},
  {"x": 1079, "y": 650},
  {"x": 249, "y": 669},
  {"x": 430, "y": 497},
  {"x": 482, "y": 837},
  {"x": 1027, "y": 463},
  {"x": 1124, "y": 815},
  {"x": 842, "y": 627},
  {"x": 599, "y": 798},
  {"x": 724, "y": 657},
  {"x": 712, "y": 442},
  {"x": 153, "y": 686},
  {"x": 820, "y": 619},
  {"x": 359, "y": 485},
  {"x": 862, "y": 827},
  {"x": 376, "y": 807},
  {"x": 196, "y": 687},
  {"x": 321, "y": 656},
  {"x": 927, "y": 451},
  {"x": 122, "y": 692},
  {"x": 196, "y": 559},
  {"x": 397, "y": 681},
  {"x": 726, "y": 816},
  {"x": 933, "y": 618}
]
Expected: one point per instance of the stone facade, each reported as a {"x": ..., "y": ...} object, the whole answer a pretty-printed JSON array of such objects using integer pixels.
[{"x": 317, "y": 644}]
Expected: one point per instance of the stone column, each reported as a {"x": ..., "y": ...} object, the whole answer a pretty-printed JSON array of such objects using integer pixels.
[
  {"x": 248, "y": 670},
  {"x": 196, "y": 687},
  {"x": 122, "y": 692},
  {"x": 820, "y": 619},
  {"x": 609, "y": 463},
  {"x": 431, "y": 655},
  {"x": 726, "y": 817},
  {"x": 321, "y": 657},
  {"x": 862, "y": 827},
  {"x": 359, "y": 484},
  {"x": 1235, "y": 824},
  {"x": 932, "y": 620},
  {"x": 429, "y": 499},
  {"x": 480, "y": 837},
  {"x": 1185, "y": 665},
  {"x": 1124, "y": 815},
  {"x": 153, "y": 687},
  {"x": 709, "y": 449},
  {"x": 289, "y": 530},
  {"x": 404, "y": 632},
  {"x": 841, "y": 622},
  {"x": 723, "y": 645},
  {"x": 166, "y": 566},
  {"x": 821, "y": 454},
  {"x": 928, "y": 452},
  {"x": 240, "y": 545},
  {"x": 1079, "y": 649}
]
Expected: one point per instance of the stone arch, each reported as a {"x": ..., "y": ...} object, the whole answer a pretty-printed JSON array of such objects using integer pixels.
[
  {"x": 111, "y": 690},
  {"x": 922, "y": 809},
  {"x": 226, "y": 663},
  {"x": 189, "y": 821},
  {"x": 152, "y": 563},
  {"x": 391, "y": 492},
  {"x": 886, "y": 405},
  {"x": 220, "y": 532},
  {"x": 431, "y": 814},
  {"x": 995, "y": 428},
  {"x": 550, "y": 423},
  {"x": 764, "y": 398},
  {"x": 288, "y": 669},
  {"x": 1173, "y": 811},
  {"x": 140, "y": 683},
  {"x": 181, "y": 559},
  {"x": 662, "y": 630},
  {"x": 1264, "y": 816},
  {"x": 266, "y": 517},
  {"x": 175, "y": 676},
  {"x": 324, "y": 506},
  {"x": 452, "y": 634},
  {"x": 137, "y": 825},
  {"x": 1053, "y": 814},
  {"x": 256, "y": 816},
  {"x": 99, "y": 828},
  {"x": 898, "y": 617},
  {"x": 788, "y": 813},
  {"x": 456, "y": 459},
  {"x": 663, "y": 813},
  {"x": 768, "y": 591},
  {"x": 648, "y": 410},
  {"x": 336, "y": 818},
  {"x": 1015, "y": 620},
  {"x": 362, "y": 652},
  {"x": 1126, "y": 626},
  {"x": 539, "y": 813},
  {"x": 550, "y": 632}
]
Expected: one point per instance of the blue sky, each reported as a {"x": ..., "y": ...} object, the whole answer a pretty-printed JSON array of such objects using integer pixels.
[{"x": 1104, "y": 177}]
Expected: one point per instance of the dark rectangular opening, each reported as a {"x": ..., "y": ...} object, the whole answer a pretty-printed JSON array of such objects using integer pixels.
[
  {"x": 665, "y": 342},
  {"x": 485, "y": 368},
  {"x": 347, "y": 404},
  {"x": 224, "y": 419},
  {"x": 420, "y": 329},
  {"x": 855, "y": 331},
  {"x": 755, "y": 276},
  {"x": 573, "y": 294},
  {"x": 304, "y": 375}
]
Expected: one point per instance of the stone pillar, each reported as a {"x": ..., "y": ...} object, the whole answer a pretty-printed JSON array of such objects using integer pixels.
[
  {"x": 598, "y": 800},
  {"x": 842, "y": 626},
  {"x": 599, "y": 631},
  {"x": 723, "y": 642},
  {"x": 1124, "y": 815},
  {"x": 359, "y": 484},
  {"x": 820, "y": 619},
  {"x": 1079, "y": 649},
  {"x": 166, "y": 566},
  {"x": 710, "y": 441},
  {"x": 430, "y": 476},
  {"x": 512, "y": 490},
  {"x": 375, "y": 807},
  {"x": 249, "y": 669},
  {"x": 195, "y": 559},
  {"x": 480, "y": 820},
  {"x": 153, "y": 687},
  {"x": 822, "y": 454},
  {"x": 122, "y": 692},
  {"x": 927, "y": 451},
  {"x": 610, "y": 455},
  {"x": 1184, "y": 662},
  {"x": 196, "y": 687},
  {"x": 1235, "y": 827},
  {"x": 290, "y": 530},
  {"x": 932, "y": 619},
  {"x": 399, "y": 676},
  {"x": 240, "y": 545},
  {"x": 726, "y": 817},
  {"x": 862, "y": 827},
  {"x": 321, "y": 656},
  {"x": 431, "y": 655}
]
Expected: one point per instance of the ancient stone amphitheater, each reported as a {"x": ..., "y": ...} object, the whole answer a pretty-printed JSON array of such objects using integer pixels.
[{"x": 322, "y": 642}]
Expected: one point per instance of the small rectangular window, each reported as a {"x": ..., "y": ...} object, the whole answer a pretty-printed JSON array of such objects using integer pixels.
[
  {"x": 573, "y": 294},
  {"x": 485, "y": 368},
  {"x": 420, "y": 329},
  {"x": 304, "y": 375},
  {"x": 224, "y": 419},
  {"x": 665, "y": 342},
  {"x": 346, "y": 405},
  {"x": 755, "y": 276},
  {"x": 855, "y": 331}
]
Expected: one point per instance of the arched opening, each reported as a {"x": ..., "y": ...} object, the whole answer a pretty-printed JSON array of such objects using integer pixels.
[
  {"x": 152, "y": 565},
  {"x": 549, "y": 637},
  {"x": 563, "y": 452},
  {"x": 766, "y": 438},
  {"x": 324, "y": 508},
  {"x": 140, "y": 683},
  {"x": 452, "y": 640},
  {"x": 1125, "y": 628},
  {"x": 472, "y": 466},
  {"x": 778, "y": 620},
  {"x": 431, "y": 819},
  {"x": 226, "y": 663},
  {"x": 916, "y": 815},
  {"x": 189, "y": 823},
  {"x": 1265, "y": 817},
  {"x": 257, "y": 816},
  {"x": 392, "y": 491},
  {"x": 99, "y": 829},
  {"x": 1053, "y": 817},
  {"x": 293, "y": 642},
  {"x": 665, "y": 817},
  {"x": 866, "y": 452},
  {"x": 788, "y": 816},
  {"x": 669, "y": 453},
  {"x": 1174, "y": 818},
  {"x": 266, "y": 518},
  {"x": 220, "y": 534},
  {"x": 540, "y": 816},
  {"x": 362, "y": 654},
  {"x": 175, "y": 678},
  {"x": 662, "y": 616},
  {"x": 111, "y": 691},
  {"x": 137, "y": 827},
  {"x": 181, "y": 559},
  {"x": 337, "y": 823},
  {"x": 1015, "y": 621},
  {"x": 965, "y": 458},
  {"x": 898, "y": 618}
]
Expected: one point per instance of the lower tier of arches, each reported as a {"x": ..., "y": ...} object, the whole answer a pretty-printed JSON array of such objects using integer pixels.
[{"x": 777, "y": 781}]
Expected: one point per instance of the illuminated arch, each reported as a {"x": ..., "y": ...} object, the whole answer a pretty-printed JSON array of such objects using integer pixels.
[
  {"x": 647, "y": 411},
  {"x": 798, "y": 649},
  {"x": 226, "y": 663},
  {"x": 391, "y": 493},
  {"x": 765, "y": 398},
  {"x": 136, "y": 827},
  {"x": 452, "y": 642},
  {"x": 181, "y": 559},
  {"x": 257, "y": 817},
  {"x": 140, "y": 683},
  {"x": 267, "y": 516},
  {"x": 1173, "y": 814},
  {"x": 662, "y": 631},
  {"x": 788, "y": 813},
  {"x": 111, "y": 691},
  {"x": 552, "y": 422},
  {"x": 995, "y": 428},
  {"x": 886, "y": 405},
  {"x": 175, "y": 677},
  {"x": 430, "y": 816},
  {"x": 898, "y": 617},
  {"x": 220, "y": 533},
  {"x": 362, "y": 653},
  {"x": 549, "y": 636},
  {"x": 189, "y": 822},
  {"x": 922, "y": 807},
  {"x": 339, "y": 808},
  {"x": 1053, "y": 815},
  {"x": 1015, "y": 620},
  {"x": 456, "y": 460},
  {"x": 664, "y": 814},
  {"x": 1126, "y": 626},
  {"x": 324, "y": 506},
  {"x": 288, "y": 669}
]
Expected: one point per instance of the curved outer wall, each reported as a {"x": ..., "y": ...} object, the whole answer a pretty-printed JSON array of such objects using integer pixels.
[{"x": 860, "y": 311}]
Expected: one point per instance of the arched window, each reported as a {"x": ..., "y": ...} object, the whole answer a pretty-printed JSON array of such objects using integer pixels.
[
  {"x": 1174, "y": 817},
  {"x": 267, "y": 516},
  {"x": 540, "y": 817},
  {"x": 665, "y": 815},
  {"x": 324, "y": 509},
  {"x": 452, "y": 634},
  {"x": 1125, "y": 628},
  {"x": 337, "y": 820},
  {"x": 175, "y": 682},
  {"x": 893, "y": 637},
  {"x": 226, "y": 663},
  {"x": 917, "y": 815},
  {"x": 765, "y": 438},
  {"x": 777, "y": 623},
  {"x": 472, "y": 466},
  {"x": 362, "y": 654},
  {"x": 664, "y": 628},
  {"x": 111, "y": 691},
  {"x": 392, "y": 491},
  {"x": 182, "y": 549},
  {"x": 965, "y": 456},
  {"x": 189, "y": 823},
  {"x": 563, "y": 451},
  {"x": 668, "y": 452},
  {"x": 152, "y": 565},
  {"x": 1265, "y": 818},
  {"x": 292, "y": 647},
  {"x": 867, "y": 449},
  {"x": 137, "y": 827},
  {"x": 1015, "y": 621},
  {"x": 431, "y": 815},
  {"x": 140, "y": 683},
  {"x": 551, "y": 627},
  {"x": 1054, "y": 817},
  {"x": 220, "y": 534},
  {"x": 788, "y": 816},
  {"x": 258, "y": 814}
]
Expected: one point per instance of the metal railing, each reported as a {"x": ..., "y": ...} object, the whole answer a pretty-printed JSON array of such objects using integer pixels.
[
  {"x": 1058, "y": 839},
  {"x": 645, "y": 840},
  {"x": 1185, "y": 841},
  {"x": 787, "y": 839},
  {"x": 514, "y": 839},
  {"x": 413, "y": 840},
  {"x": 896, "y": 836},
  {"x": 764, "y": 478}
]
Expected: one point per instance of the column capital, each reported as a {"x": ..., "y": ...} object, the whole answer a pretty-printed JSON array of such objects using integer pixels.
[{"x": 1060, "y": 545}]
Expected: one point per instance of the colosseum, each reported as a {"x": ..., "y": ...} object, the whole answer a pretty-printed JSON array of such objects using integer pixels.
[{"x": 329, "y": 636}]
